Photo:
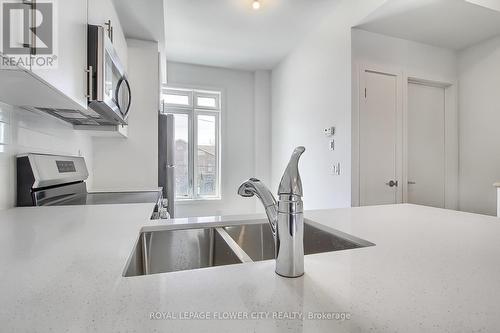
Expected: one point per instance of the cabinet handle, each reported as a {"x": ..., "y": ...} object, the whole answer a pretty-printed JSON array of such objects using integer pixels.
[
  {"x": 110, "y": 30},
  {"x": 33, "y": 24},
  {"x": 32, "y": 45},
  {"x": 90, "y": 84}
]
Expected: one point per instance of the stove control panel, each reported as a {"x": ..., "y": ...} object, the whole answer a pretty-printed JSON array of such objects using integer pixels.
[{"x": 65, "y": 166}]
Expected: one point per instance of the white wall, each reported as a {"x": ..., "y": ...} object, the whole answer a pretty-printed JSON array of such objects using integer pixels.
[
  {"x": 26, "y": 131},
  {"x": 262, "y": 125},
  {"x": 412, "y": 60},
  {"x": 311, "y": 89},
  {"x": 132, "y": 163},
  {"x": 245, "y": 133},
  {"x": 479, "y": 77}
]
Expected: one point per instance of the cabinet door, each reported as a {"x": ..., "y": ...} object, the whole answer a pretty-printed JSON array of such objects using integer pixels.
[
  {"x": 71, "y": 32},
  {"x": 16, "y": 47}
]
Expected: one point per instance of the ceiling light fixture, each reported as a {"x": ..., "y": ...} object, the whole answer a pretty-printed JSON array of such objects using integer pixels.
[{"x": 256, "y": 4}]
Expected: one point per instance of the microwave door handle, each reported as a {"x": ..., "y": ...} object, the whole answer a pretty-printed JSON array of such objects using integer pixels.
[
  {"x": 129, "y": 97},
  {"x": 117, "y": 95},
  {"x": 120, "y": 85}
]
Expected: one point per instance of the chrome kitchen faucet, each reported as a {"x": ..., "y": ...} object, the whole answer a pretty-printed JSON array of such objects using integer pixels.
[{"x": 286, "y": 217}]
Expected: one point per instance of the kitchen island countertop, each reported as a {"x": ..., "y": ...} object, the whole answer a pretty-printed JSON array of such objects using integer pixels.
[{"x": 431, "y": 270}]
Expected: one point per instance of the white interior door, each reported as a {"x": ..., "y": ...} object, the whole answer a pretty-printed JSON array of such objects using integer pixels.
[
  {"x": 426, "y": 145},
  {"x": 379, "y": 144}
]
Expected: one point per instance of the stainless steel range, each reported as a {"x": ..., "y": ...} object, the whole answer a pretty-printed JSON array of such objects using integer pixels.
[{"x": 53, "y": 180}]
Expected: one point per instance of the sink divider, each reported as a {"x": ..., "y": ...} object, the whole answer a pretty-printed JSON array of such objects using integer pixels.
[
  {"x": 146, "y": 243},
  {"x": 242, "y": 255}
]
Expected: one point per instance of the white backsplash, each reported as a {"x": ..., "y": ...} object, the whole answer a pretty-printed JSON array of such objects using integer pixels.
[{"x": 24, "y": 131}]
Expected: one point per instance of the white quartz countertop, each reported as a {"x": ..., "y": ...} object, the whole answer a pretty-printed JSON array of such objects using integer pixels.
[{"x": 431, "y": 270}]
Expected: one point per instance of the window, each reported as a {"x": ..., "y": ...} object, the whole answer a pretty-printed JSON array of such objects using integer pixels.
[{"x": 197, "y": 141}]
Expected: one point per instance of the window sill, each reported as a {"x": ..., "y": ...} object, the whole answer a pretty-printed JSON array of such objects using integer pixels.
[{"x": 198, "y": 200}]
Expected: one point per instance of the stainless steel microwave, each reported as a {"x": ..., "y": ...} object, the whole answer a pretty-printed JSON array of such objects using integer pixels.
[{"x": 109, "y": 89}]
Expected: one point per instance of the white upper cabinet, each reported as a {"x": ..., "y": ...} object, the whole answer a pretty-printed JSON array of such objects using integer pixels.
[
  {"x": 99, "y": 13},
  {"x": 63, "y": 84},
  {"x": 69, "y": 77},
  {"x": 54, "y": 35}
]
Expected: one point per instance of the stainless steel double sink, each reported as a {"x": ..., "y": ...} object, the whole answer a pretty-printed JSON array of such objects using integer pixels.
[{"x": 185, "y": 249}]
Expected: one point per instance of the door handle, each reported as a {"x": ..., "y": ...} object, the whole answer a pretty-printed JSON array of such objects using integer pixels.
[
  {"x": 411, "y": 183},
  {"x": 392, "y": 183}
]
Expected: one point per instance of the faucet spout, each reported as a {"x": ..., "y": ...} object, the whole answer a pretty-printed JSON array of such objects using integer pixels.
[
  {"x": 252, "y": 187},
  {"x": 291, "y": 184}
]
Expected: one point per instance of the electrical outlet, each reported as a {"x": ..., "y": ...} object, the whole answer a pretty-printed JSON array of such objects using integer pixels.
[{"x": 336, "y": 169}]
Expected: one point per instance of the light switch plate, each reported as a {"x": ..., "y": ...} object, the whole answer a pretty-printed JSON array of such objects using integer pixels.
[{"x": 329, "y": 131}]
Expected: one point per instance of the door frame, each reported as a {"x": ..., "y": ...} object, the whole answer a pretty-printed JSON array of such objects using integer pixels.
[
  {"x": 450, "y": 135},
  {"x": 359, "y": 87}
]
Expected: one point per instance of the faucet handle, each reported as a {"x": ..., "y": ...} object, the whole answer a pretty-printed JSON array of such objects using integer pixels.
[{"x": 291, "y": 182}]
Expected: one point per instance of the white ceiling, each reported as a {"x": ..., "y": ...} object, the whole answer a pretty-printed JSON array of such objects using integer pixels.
[
  {"x": 453, "y": 24},
  {"x": 228, "y": 33},
  {"x": 142, "y": 19},
  {"x": 491, "y": 4}
]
